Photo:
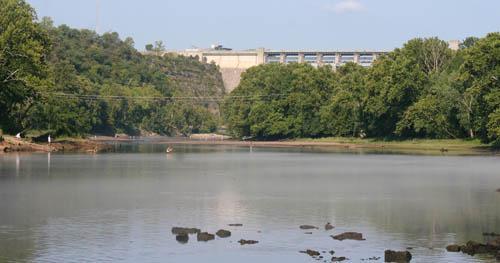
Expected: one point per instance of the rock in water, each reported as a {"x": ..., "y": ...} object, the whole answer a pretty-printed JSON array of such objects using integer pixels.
[
  {"x": 182, "y": 238},
  {"x": 397, "y": 256},
  {"x": 310, "y": 252},
  {"x": 328, "y": 226},
  {"x": 472, "y": 248},
  {"x": 308, "y": 227},
  {"x": 338, "y": 259},
  {"x": 492, "y": 234},
  {"x": 223, "y": 233},
  {"x": 349, "y": 235},
  {"x": 494, "y": 244},
  {"x": 235, "y": 224},
  {"x": 204, "y": 236},
  {"x": 185, "y": 230},
  {"x": 492, "y": 247},
  {"x": 247, "y": 242},
  {"x": 453, "y": 248}
]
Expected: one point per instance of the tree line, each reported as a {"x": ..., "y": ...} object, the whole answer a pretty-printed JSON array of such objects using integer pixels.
[
  {"x": 422, "y": 90},
  {"x": 72, "y": 82}
]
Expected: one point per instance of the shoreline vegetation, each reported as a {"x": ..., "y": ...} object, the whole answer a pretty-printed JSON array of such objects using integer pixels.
[
  {"x": 104, "y": 143},
  {"x": 70, "y": 83}
]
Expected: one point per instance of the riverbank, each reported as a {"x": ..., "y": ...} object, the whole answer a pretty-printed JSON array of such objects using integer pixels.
[
  {"x": 13, "y": 144},
  {"x": 417, "y": 146}
]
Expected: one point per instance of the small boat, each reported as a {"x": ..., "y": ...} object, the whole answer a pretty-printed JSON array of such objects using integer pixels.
[{"x": 170, "y": 149}]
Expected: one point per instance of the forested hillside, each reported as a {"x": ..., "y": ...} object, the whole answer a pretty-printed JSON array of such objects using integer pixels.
[
  {"x": 422, "y": 90},
  {"x": 75, "y": 82}
]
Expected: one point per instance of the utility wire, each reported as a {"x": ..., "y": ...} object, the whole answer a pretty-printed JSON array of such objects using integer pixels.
[{"x": 158, "y": 98}]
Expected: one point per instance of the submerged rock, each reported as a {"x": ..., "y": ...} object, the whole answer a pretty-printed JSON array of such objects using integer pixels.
[
  {"x": 308, "y": 233},
  {"x": 308, "y": 227},
  {"x": 491, "y": 234},
  {"x": 247, "y": 242},
  {"x": 328, "y": 226},
  {"x": 397, "y": 256},
  {"x": 453, "y": 248},
  {"x": 371, "y": 259},
  {"x": 182, "y": 238},
  {"x": 235, "y": 224},
  {"x": 184, "y": 230},
  {"x": 331, "y": 252},
  {"x": 223, "y": 233},
  {"x": 472, "y": 248},
  {"x": 204, "y": 236},
  {"x": 349, "y": 235},
  {"x": 310, "y": 252},
  {"x": 338, "y": 259},
  {"x": 494, "y": 244}
]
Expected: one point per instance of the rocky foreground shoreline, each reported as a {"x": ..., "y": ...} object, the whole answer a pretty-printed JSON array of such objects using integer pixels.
[
  {"x": 492, "y": 247},
  {"x": 11, "y": 144}
]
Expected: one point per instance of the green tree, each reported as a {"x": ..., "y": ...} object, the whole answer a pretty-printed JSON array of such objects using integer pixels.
[
  {"x": 24, "y": 46},
  {"x": 345, "y": 113},
  {"x": 159, "y": 47},
  {"x": 279, "y": 101},
  {"x": 468, "y": 42},
  {"x": 432, "y": 116},
  {"x": 399, "y": 79},
  {"x": 480, "y": 75}
]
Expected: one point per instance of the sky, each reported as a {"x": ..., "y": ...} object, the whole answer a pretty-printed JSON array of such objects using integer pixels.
[{"x": 273, "y": 24}]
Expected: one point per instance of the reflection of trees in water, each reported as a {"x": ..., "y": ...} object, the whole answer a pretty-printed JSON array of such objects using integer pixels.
[
  {"x": 17, "y": 245},
  {"x": 467, "y": 215}
]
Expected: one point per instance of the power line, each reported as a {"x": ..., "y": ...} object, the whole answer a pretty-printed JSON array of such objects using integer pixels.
[{"x": 163, "y": 98}]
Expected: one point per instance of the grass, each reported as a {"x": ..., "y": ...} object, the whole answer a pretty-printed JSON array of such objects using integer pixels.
[{"x": 418, "y": 144}]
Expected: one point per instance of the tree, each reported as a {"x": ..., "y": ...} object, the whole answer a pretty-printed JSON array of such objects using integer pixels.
[
  {"x": 344, "y": 115},
  {"x": 279, "y": 101},
  {"x": 24, "y": 46},
  {"x": 480, "y": 75},
  {"x": 159, "y": 47},
  {"x": 149, "y": 47},
  {"x": 433, "y": 116},
  {"x": 400, "y": 78},
  {"x": 468, "y": 42},
  {"x": 394, "y": 83}
]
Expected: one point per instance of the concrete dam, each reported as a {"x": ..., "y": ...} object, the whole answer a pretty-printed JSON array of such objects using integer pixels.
[{"x": 233, "y": 63}]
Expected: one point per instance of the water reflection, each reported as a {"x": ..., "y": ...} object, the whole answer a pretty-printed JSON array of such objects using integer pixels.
[
  {"x": 48, "y": 162},
  {"x": 121, "y": 206},
  {"x": 18, "y": 164}
]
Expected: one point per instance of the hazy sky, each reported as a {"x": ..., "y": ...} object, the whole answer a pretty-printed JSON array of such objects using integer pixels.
[{"x": 293, "y": 24}]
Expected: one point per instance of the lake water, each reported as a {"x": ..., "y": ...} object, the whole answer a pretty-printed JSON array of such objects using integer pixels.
[{"x": 120, "y": 207}]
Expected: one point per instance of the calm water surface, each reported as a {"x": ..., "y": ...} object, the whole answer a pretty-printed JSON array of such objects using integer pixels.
[{"x": 120, "y": 207}]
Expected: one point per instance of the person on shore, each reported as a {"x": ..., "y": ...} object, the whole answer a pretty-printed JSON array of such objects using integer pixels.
[{"x": 49, "y": 140}]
